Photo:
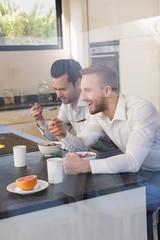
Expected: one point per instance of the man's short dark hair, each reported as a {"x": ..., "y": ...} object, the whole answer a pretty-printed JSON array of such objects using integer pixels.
[
  {"x": 107, "y": 75},
  {"x": 66, "y": 66}
]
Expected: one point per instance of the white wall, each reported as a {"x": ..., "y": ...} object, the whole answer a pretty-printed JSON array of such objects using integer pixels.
[
  {"x": 79, "y": 31},
  {"x": 104, "y": 13},
  {"x": 25, "y": 69},
  {"x": 140, "y": 58},
  {"x": 137, "y": 25}
]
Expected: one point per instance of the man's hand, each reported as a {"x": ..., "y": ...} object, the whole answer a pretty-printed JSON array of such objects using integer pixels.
[
  {"x": 56, "y": 127},
  {"x": 73, "y": 164},
  {"x": 37, "y": 113}
]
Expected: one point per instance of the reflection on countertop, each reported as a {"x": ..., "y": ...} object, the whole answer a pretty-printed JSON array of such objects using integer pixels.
[{"x": 31, "y": 99}]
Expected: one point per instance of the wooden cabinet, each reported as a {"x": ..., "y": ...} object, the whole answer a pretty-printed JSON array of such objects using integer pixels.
[
  {"x": 139, "y": 68},
  {"x": 104, "y": 13},
  {"x": 107, "y": 18},
  {"x": 22, "y": 120},
  {"x": 136, "y": 24},
  {"x": 120, "y": 215}
]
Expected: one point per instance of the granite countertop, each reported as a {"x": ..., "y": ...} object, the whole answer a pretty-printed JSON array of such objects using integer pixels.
[
  {"x": 74, "y": 187},
  {"x": 31, "y": 99}
]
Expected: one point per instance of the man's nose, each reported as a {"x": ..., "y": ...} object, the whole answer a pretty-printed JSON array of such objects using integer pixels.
[
  {"x": 59, "y": 93},
  {"x": 84, "y": 97}
]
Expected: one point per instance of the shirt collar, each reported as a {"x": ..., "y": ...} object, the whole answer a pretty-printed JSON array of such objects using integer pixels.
[{"x": 120, "y": 112}]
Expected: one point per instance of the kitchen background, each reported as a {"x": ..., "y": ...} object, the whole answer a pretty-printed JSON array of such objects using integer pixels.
[{"x": 136, "y": 24}]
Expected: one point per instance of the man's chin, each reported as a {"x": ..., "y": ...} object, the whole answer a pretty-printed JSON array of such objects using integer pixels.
[
  {"x": 91, "y": 111},
  {"x": 64, "y": 102}
]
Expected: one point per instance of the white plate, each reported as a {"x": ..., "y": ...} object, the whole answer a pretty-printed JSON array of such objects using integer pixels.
[
  {"x": 92, "y": 155},
  {"x": 50, "y": 155},
  {"x": 41, "y": 185}
]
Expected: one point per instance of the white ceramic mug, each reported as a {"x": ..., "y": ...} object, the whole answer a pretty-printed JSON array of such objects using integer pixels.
[
  {"x": 19, "y": 153},
  {"x": 55, "y": 170}
]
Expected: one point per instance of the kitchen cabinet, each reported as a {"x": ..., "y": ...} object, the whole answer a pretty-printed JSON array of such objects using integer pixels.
[
  {"x": 139, "y": 59},
  {"x": 104, "y": 27},
  {"x": 22, "y": 120},
  {"x": 114, "y": 216},
  {"x": 120, "y": 11},
  {"x": 136, "y": 24},
  {"x": 139, "y": 68}
]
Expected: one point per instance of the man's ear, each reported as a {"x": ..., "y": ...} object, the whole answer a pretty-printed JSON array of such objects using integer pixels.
[
  {"x": 108, "y": 91},
  {"x": 78, "y": 83}
]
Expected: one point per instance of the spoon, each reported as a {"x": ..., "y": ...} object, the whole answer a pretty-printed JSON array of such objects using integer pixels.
[{"x": 79, "y": 121}]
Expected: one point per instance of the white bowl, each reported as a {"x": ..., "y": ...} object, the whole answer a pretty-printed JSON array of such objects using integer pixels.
[
  {"x": 49, "y": 148},
  {"x": 87, "y": 155}
]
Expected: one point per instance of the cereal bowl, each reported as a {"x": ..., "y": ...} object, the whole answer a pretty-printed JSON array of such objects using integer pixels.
[
  {"x": 87, "y": 155},
  {"x": 49, "y": 148}
]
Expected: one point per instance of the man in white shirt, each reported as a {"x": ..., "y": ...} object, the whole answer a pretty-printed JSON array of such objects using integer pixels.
[
  {"x": 132, "y": 123},
  {"x": 73, "y": 113}
]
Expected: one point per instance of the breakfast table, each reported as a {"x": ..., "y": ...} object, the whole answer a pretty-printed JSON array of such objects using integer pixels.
[{"x": 84, "y": 206}]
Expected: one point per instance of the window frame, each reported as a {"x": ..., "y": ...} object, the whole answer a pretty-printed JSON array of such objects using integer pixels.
[{"x": 59, "y": 45}]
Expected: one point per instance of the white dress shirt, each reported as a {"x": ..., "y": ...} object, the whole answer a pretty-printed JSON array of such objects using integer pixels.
[
  {"x": 135, "y": 129},
  {"x": 69, "y": 116}
]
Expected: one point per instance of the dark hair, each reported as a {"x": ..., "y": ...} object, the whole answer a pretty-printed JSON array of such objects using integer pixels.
[
  {"x": 66, "y": 66},
  {"x": 107, "y": 75}
]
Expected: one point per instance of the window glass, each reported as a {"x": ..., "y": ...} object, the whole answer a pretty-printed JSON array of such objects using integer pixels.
[{"x": 30, "y": 24}]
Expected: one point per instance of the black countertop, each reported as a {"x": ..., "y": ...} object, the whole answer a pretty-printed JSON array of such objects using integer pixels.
[
  {"x": 74, "y": 187},
  {"x": 31, "y": 99}
]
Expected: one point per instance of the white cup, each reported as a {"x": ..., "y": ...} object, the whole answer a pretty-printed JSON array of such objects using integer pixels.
[
  {"x": 19, "y": 153},
  {"x": 55, "y": 170}
]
